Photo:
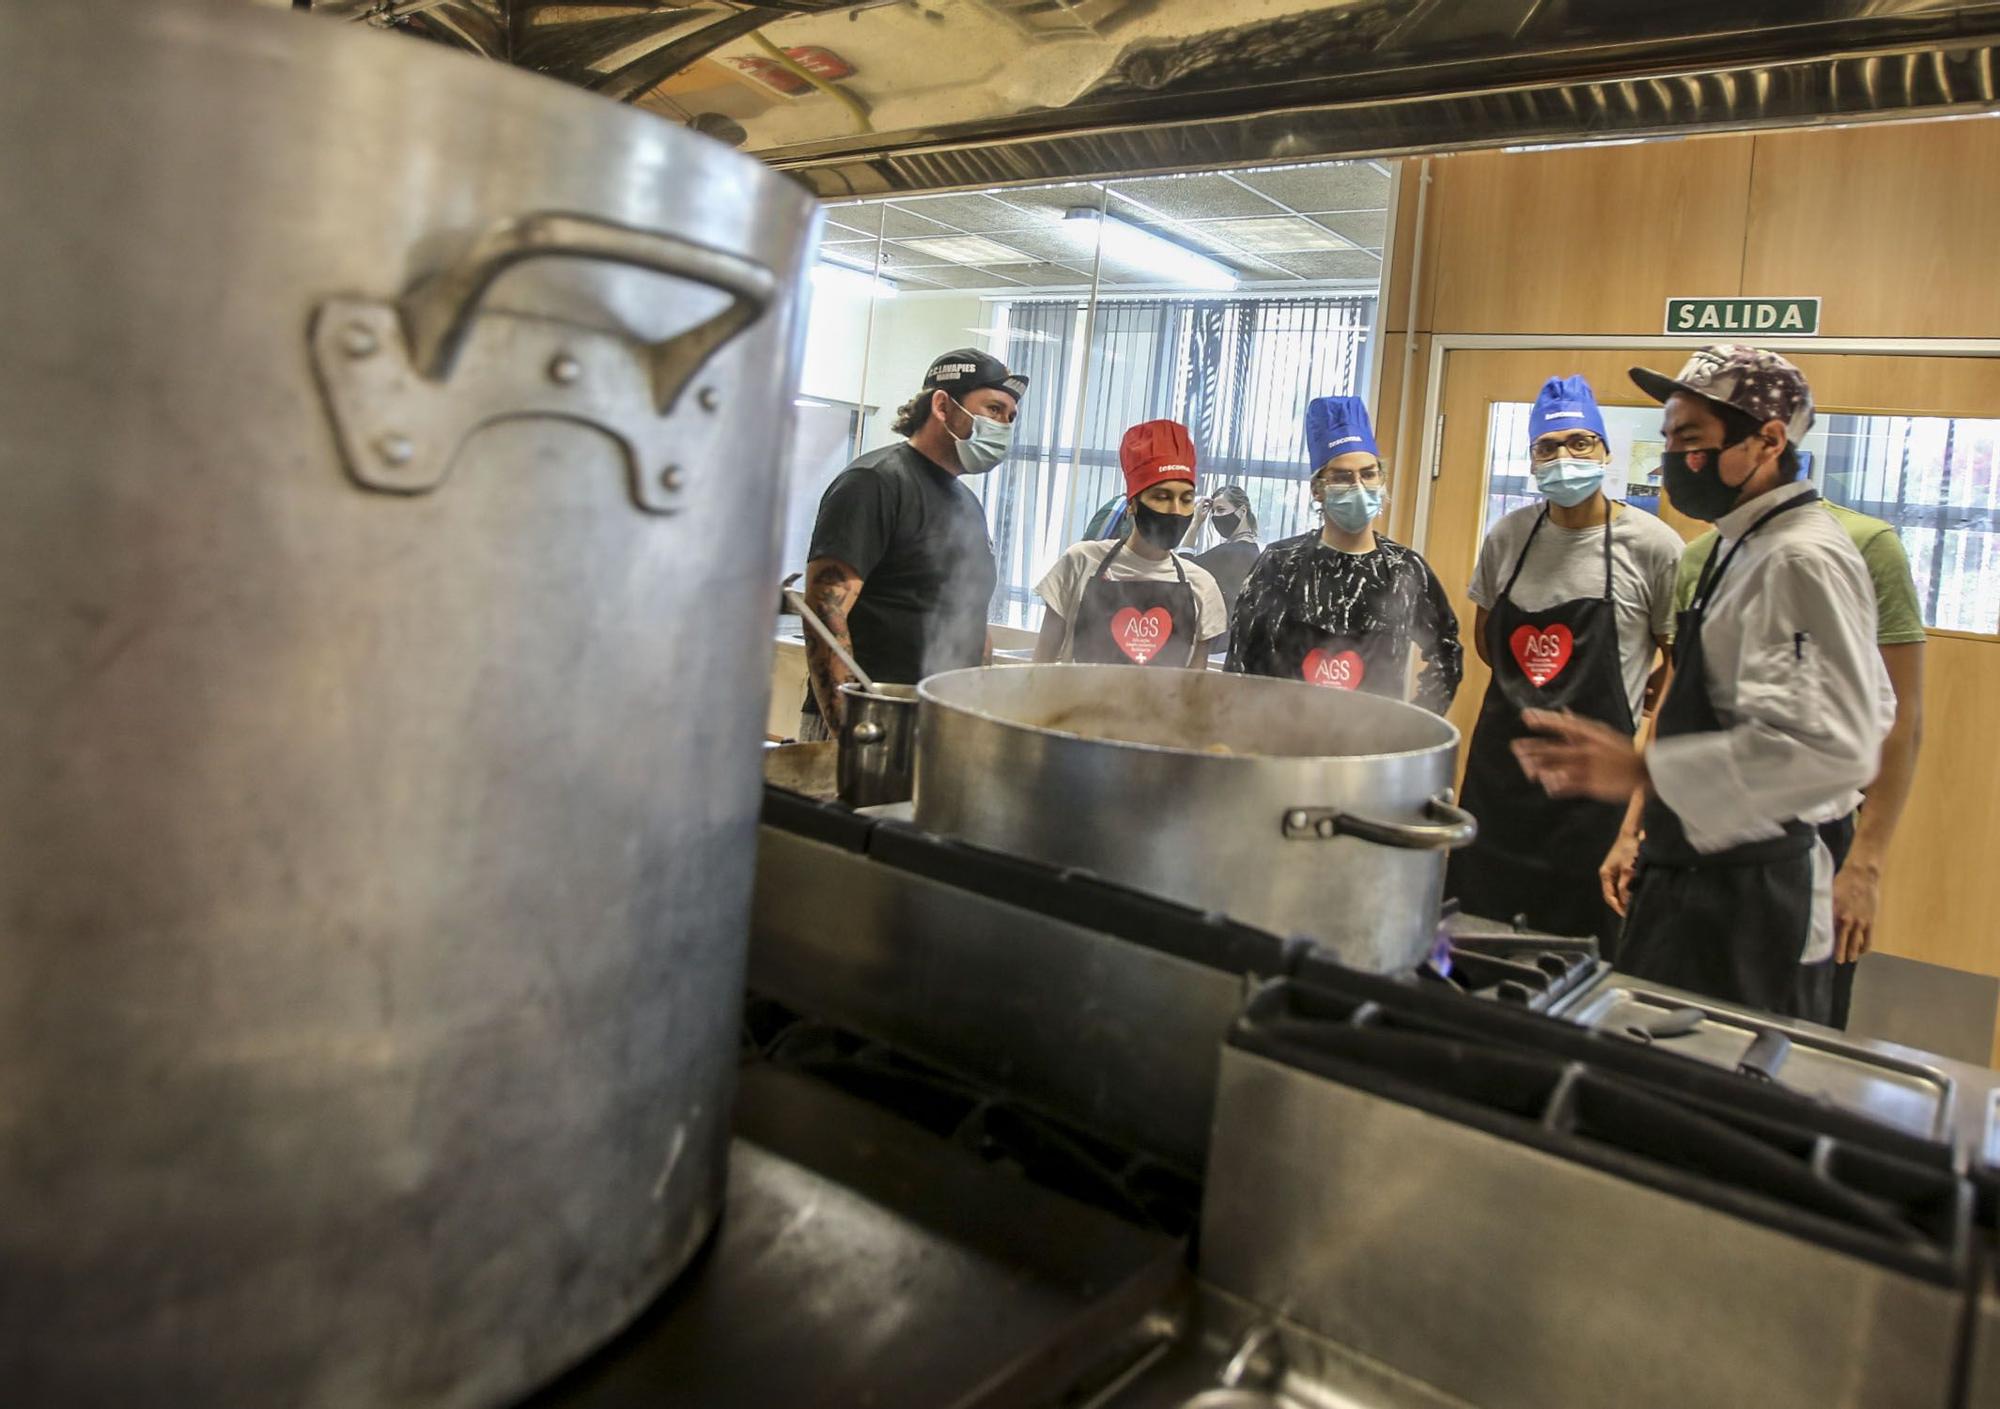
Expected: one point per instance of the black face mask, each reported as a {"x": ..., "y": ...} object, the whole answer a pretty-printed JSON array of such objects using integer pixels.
[
  {"x": 1226, "y": 524},
  {"x": 1700, "y": 493},
  {"x": 1163, "y": 530}
]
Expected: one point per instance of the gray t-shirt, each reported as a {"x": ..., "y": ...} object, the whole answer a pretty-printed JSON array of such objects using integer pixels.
[{"x": 1568, "y": 563}]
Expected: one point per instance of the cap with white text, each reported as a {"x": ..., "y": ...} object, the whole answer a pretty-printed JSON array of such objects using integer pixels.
[
  {"x": 1336, "y": 426},
  {"x": 1154, "y": 452},
  {"x": 968, "y": 369}
]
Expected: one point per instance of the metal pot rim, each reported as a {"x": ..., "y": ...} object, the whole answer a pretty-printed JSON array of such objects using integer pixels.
[
  {"x": 926, "y": 696},
  {"x": 887, "y": 694}
]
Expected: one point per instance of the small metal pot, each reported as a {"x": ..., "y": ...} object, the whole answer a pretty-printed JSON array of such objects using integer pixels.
[{"x": 878, "y": 745}]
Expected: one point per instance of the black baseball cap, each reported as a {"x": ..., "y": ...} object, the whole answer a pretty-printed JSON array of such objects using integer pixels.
[{"x": 968, "y": 369}]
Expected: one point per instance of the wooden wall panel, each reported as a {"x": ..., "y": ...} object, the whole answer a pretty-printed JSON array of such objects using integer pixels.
[
  {"x": 1942, "y": 885},
  {"x": 1402, "y": 239},
  {"x": 1404, "y": 483},
  {"x": 1586, "y": 240},
  {"x": 1893, "y": 224},
  {"x": 1907, "y": 385}
]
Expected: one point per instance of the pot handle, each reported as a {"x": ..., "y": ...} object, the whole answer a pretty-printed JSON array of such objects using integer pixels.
[
  {"x": 1453, "y": 827},
  {"x": 437, "y": 312}
]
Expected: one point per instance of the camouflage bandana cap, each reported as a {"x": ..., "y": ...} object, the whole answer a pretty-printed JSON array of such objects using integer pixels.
[{"x": 1758, "y": 383}]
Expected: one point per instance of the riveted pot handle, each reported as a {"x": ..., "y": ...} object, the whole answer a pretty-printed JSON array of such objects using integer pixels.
[
  {"x": 1453, "y": 827},
  {"x": 438, "y": 312}
]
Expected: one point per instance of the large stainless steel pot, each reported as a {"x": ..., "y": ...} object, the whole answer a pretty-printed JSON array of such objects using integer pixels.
[
  {"x": 1301, "y": 810},
  {"x": 382, "y": 677}
]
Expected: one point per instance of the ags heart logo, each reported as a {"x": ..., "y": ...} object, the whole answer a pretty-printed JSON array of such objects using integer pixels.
[
  {"x": 1541, "y": 654},
  {"x": 1141, "y": 634},
  {"x": 1343, "y": 671}
]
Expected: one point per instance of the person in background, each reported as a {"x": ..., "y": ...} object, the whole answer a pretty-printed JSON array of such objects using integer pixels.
[
  {"x": 901, "y": 569},
  {"x": 1108, "y": 521},
  {"x": 1342, "y": 607},
  {"x": 1774, "y": 718},
  {"x": 1235, "y": 553},
  {"x": 1134, "y": 600},
  {"x": 1899, "y": 639},
  {"x": 1575, "y": 598}
]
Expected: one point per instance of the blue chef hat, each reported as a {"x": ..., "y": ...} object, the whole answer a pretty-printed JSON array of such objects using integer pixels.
[
  {"x": 1566, "y": 404},
  {"x": 1337, "y": 425}
]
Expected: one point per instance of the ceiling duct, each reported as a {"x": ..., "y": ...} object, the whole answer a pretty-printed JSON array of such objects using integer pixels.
[{"x": 910, "y": 95}]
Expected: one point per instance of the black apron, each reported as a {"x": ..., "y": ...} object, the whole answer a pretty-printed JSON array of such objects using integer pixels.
[
  {"x": 1537, "y": 857},
  {"x": 1136, "y": 623},
  {"x": 1371, "y": 661},
  {"x": 1729, "y": 924}
]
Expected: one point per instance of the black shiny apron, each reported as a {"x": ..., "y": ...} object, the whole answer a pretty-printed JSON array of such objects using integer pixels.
[
  {"x": 1730, "y": 924},
  {"x": 1136, "y": 623},
  {"x": 1369, "y": 661},
  {"x": 1536, "y": 858}
]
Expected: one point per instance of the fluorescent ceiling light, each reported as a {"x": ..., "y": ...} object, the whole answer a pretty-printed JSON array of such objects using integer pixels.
[
  {"x": 1587, "y": 142},
  {"x": 1277, "y": 234},
  {"x": 1175, "y": 264},
  {"x": 843, "y": 278},
  {"x": 964, "y": 249}
]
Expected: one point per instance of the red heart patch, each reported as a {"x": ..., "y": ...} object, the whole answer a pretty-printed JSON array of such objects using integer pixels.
[
  {"x": 1141, "y": 634},
  {"x": 1337, "y": 671},
  {"x": 1541, "y": 653}
]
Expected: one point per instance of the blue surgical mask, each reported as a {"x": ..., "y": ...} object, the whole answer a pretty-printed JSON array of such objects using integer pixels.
[
  {"x": 986, "y": 447},
  {"x": 1351, "y": 506},
  {"x": 1569, "y": 482}
]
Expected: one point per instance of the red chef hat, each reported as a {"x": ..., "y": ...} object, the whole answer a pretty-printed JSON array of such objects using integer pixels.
[{"x": 1153, "y": 452}]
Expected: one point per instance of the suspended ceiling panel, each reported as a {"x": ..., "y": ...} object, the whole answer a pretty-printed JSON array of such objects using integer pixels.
[{"x": 1013, "y": 240}]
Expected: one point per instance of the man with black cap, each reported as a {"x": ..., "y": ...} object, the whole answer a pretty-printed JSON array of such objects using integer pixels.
[
  {"x": 1860, "y": 845},
  {"x": 901, "y": 568},
  {"x": 1341, "y": 608},
  {"x": 1775, "y": 718}
]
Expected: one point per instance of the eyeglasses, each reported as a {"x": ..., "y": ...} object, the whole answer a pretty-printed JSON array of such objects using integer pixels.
[
  {"x": 1549, "y": 448},
  {"x": 1371, "y": 478}
]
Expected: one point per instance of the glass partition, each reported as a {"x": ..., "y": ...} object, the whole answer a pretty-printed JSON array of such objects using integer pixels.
[{"x": 1222, "y": 300}]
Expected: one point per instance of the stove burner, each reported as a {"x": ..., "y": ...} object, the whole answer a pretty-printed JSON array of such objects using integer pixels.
[
  {"x": 1050, "y": 1152},
  {"x": 1535, "y": 972}
]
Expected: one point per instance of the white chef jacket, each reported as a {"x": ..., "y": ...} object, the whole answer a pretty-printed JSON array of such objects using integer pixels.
[{"x": 1794, "y": 675}]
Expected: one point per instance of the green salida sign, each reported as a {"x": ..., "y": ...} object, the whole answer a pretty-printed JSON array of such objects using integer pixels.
[{"x": 1788, "y": 317}]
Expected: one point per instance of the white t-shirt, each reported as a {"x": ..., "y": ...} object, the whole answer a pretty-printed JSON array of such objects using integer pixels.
[
  {"x": 1061, "y": 588},
  {"x": 1568, "y": 563}
]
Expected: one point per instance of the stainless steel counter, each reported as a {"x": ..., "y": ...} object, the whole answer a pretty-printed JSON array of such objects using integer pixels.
[
  {"x": 1410, "y": 1253},
  {"x": 863, "y": 1261},
  {"x": 1917, "y": 1092}
]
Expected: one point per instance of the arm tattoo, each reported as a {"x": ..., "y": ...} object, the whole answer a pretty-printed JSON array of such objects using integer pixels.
[{"x": 831, "y": 591}]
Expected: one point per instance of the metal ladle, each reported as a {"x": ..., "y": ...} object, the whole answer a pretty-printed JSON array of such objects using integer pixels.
[{"x": 806, "y": 614}]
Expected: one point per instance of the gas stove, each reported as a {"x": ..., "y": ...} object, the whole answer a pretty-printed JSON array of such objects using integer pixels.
[
  {"x": 1537, "y": 973},
  {"x": 1010, "y": 1135}
]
